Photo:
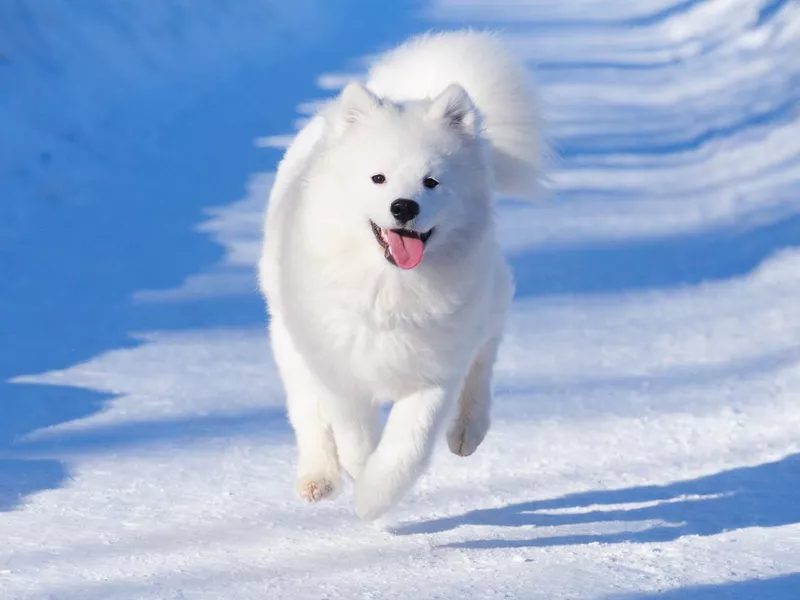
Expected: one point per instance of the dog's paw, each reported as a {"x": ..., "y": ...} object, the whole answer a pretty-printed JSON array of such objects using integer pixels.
[
  {"x": 370, "y": 503},
  {"x": 375, "y": 492},
  {"x": 315, "y": 488},
  {"x": 465, "y": 435}
]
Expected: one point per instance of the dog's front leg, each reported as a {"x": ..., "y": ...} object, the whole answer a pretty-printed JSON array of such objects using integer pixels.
[
  {"x": 309, "y": 405},
  {"x": 403, "y": 451}
]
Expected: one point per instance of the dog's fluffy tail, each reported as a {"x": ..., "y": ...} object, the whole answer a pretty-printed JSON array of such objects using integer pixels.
[{"x": 497, "y": 83}]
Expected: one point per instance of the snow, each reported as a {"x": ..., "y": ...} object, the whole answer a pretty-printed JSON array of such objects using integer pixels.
[{"x": 646, "y": 437}]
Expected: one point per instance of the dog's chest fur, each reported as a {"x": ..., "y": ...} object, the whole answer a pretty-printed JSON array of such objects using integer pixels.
[{"x": 393, "y": 334}]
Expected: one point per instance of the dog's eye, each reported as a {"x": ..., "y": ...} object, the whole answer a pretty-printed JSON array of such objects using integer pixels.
[
  {"x": 379, "y": 178},
  {"x": 430, "y": 183}
]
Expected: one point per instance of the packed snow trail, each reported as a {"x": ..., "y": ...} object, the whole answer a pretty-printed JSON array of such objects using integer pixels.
[{"x": 646, "y": 439}]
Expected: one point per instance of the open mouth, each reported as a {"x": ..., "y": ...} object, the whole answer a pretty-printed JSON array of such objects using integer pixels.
[{"x": 401, "y": 247}]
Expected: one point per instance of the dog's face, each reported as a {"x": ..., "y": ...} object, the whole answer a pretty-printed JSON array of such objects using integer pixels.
[{"x": 410, "y": 179}]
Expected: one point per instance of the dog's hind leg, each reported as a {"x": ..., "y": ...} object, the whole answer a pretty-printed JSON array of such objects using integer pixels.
[
  {"x": 356, "y": 430},
  {"x": 474, "y": 404},
  {"x": 318, "y": 474}
]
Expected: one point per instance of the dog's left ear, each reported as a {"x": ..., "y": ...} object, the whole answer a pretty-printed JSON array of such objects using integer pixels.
[
  {"x": 456, "y": 107},
  {"x": 355, "y": 102}
]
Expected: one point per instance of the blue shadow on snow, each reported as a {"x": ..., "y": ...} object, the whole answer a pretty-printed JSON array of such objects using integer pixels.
[
  {"x": 766, "y": 495},
  {"x": 785, "y": 587},
  {"x": 685, "y": 259}
]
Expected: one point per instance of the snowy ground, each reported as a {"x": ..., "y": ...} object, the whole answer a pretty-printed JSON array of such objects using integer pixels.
[{"x": 647, "y": 427}]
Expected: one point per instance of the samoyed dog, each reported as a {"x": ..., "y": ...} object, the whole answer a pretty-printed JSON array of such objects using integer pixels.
[{"x": 380, "y": 266}]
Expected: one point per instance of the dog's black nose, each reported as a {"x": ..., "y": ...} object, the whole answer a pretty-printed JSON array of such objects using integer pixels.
[{"x": 404, "y": 210}]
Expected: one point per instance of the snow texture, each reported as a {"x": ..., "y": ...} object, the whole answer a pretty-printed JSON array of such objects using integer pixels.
[{"x": 646, "y": 437}]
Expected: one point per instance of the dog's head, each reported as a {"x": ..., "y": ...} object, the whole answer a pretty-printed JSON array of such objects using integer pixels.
[{"x": 411, "y": 179}]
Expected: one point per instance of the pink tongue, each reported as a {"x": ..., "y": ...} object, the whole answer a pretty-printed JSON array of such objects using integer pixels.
[{"x": 406, "y": 251}]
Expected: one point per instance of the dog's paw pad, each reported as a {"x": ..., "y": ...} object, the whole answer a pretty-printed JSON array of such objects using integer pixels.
[
  {"x": 314, "y": 489},
  {"x": 464, "y": 438}
]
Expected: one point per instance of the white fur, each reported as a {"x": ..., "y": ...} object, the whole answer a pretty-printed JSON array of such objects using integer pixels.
[{"x": 350, "y": 330}]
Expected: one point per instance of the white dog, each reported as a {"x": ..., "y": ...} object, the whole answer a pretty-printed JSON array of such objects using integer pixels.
[{"x": 380, "y": 266}]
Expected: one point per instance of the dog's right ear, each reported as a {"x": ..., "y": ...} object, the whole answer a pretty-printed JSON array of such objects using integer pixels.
[
  {"x": 455, "y": 107},
  {"x": 355, "y": 103}
]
